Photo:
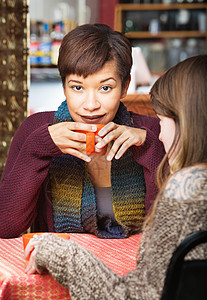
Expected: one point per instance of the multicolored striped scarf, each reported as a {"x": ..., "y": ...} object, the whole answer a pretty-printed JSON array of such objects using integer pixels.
[{"x": 73, "y": 196}]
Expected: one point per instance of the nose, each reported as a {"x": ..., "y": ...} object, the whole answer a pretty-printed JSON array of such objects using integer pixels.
[{"x": 91, "y": 101}]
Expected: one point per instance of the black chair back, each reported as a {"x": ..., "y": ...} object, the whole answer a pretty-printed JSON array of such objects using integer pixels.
[{"x": 186, "y": 279}]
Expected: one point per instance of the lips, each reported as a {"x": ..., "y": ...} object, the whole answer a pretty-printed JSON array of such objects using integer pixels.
[{"x": 92, "y": 119}]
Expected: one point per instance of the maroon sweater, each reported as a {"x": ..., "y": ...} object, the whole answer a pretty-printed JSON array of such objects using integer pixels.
[{"x": 25, "y": 198}]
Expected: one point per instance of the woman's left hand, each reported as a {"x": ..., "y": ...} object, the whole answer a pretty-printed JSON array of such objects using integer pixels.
[{"x": 123, "y": 136}]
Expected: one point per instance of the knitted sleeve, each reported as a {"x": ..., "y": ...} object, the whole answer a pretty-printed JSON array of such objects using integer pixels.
[
  {"x": 80, "y": 271},
  {"x": 27, "y": 167},
  {"x": 149, "y": 154},
  {"x": 87, "y": 277}
]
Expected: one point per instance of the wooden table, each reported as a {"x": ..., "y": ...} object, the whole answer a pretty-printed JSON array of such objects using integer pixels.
[{"x": 118, "y": 254}]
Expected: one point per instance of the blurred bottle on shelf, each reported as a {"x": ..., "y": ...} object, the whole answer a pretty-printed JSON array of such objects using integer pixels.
[
  {"x": 56, "y": 35},
  {"x": 173, "y": 52},
  {"x": 192, "y": 47},
  {"x": 202, "y": 46},
  {"x": 176, "y": 52},
  {"x": 129, "y": 26},
  {"x": 180, "y": 1},
  {"x": 164, "y": 21},
  {"x": 183, "y": 19},
  {"x": 34, "y": 44},
  {"x": 202, "y": 24},
  {"x": 183, "y": 52},
  {"x": 154, "y": 26},
  {"x": 157, "y": 58},
  {"x": 168, "y": 20},
  {"x": 167, "y": 1},
  {"x": 45, "y": 45}
]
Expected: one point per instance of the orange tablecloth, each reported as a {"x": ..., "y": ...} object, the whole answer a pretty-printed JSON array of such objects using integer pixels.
[{"x": 119, "y": 255}]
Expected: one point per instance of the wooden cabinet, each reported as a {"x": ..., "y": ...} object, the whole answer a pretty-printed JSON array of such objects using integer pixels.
[{"x": 167, "y": 33}]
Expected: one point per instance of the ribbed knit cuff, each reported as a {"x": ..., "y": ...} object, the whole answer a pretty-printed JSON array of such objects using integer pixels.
[{"x": 49, "y": 249}]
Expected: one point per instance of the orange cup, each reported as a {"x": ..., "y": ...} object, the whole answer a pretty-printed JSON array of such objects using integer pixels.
[
  {"x": 28, "y": 236},
  {"x": 90, "y": 139}
]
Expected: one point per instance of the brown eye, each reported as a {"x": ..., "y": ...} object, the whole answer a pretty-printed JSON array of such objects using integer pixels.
[
  {"x": 77, "y": 88},
  {"x": 106, "y": 88}
]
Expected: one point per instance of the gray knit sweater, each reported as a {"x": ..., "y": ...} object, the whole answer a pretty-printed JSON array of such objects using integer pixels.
[{"x": 181, "y": 211}]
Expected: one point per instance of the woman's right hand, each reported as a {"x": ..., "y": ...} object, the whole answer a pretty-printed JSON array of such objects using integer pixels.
[
  {"x": 30, "y": 253},
  {"x": 69, "y": 141}
]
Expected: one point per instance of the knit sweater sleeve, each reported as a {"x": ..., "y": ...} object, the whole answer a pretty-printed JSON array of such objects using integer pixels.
[
  {"x": 79, "y": 270},
  {"x": 26, "y": 169},
  {"x": 177, "y": 215},
  {"x": 149, "y": 154}
]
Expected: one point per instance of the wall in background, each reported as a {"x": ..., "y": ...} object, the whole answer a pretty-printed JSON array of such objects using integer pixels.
[
  {"x": 86, "y": 11},
  {"x": 106, "y": 11}
]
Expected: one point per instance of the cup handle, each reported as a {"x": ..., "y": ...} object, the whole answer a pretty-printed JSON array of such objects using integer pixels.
[{"x": 90, "y": 142}]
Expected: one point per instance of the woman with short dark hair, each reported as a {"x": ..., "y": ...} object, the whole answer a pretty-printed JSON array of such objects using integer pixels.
[{"x": 51, "y": 182}]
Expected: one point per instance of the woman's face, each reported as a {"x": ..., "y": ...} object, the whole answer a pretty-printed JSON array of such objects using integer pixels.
[
  {"x": 96, "y": 98},
  {"x": 167, "y": 134}
]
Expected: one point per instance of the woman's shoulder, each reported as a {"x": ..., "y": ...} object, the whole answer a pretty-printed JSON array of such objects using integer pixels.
[
  {"x": 33, "y": 122},
  {"x": 145, "y": 119},
  {"x": 41, "y": 117},
  {"x": 37, "y": 119},
  {"x": 188, "y": 184},
  {"x": 146, "y": 122}
]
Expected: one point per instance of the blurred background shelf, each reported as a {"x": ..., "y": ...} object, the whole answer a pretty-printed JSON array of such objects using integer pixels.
[{"x": 166, "y": 33}]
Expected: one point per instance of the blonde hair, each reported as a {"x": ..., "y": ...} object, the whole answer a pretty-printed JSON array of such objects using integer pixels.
[{"x": 181, "y": 94}]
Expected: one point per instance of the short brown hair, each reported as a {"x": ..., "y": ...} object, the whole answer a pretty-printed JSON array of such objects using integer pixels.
[{"x": 86, "y": 49}]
